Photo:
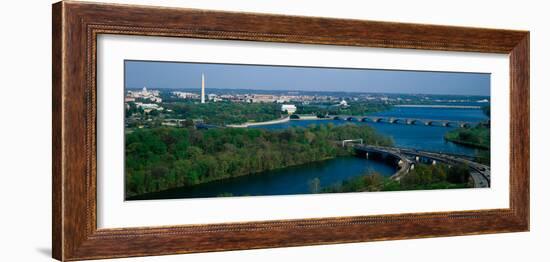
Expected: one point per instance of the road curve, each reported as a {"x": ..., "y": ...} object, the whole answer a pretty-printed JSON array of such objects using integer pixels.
[
  {"x": 480, "y": 173},
  {"x": 271, "y": 122}
]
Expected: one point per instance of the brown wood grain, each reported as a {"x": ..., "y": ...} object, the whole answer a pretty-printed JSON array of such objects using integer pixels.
[
  {"x": 57, "y": 195},
  {"x": 76, "y": 26}
]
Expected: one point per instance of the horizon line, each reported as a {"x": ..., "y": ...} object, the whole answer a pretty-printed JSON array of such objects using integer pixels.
[{"x": 307, "y": 91}]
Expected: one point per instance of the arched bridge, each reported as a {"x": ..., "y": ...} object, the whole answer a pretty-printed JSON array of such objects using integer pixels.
[
  {"x": 407, "y": 158},
  {"x": 403, "y": 120}
]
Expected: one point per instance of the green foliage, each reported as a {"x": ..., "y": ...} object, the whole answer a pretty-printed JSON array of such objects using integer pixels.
[
  {"x": 426, "y": 176},
  {"x": 131, "y": 109},
  {"x": 420, "y": 178},
  {"x": 223, "y": 113},
  {"x": 315, "y": 185},
  {"x": 483, "y": 156},
  {"x": 162, "y": 158},
  {"x": 479, "y": 136},
  {"x": 458, "y": 174},
  {"x": 487, "y": 110},
  {"x": 370, "y": 181}
]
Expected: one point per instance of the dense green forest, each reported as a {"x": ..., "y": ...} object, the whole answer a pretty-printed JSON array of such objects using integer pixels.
[
  {"x": 223, "y": 113},
  {"x": 478, "y": 136},
  {"x": 162, "y": 158},
  {"x": 420, "y": 178}
]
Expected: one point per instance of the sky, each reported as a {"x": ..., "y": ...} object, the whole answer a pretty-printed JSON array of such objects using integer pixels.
[{"x": 176, "y": 75}]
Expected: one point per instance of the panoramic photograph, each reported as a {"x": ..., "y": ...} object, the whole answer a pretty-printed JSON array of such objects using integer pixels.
[{"x": 201, "y": 130}]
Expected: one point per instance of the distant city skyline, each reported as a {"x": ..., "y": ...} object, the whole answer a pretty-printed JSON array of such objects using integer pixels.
[{"x": 180, "y": 75}]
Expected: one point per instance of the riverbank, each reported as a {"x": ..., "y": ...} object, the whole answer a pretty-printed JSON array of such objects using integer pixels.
[
  {"x": 301, "y": 179},
  {"x": 251, "y": 124},
  {"x": 223, "y": 181},
  {"x": 465, "y": 143},
  {"x": 440, "y": 106},
  {"x": 163, "y": 158},
  {"x": 477, "y": 137},
  {"x": 423, "y": 177},
  {"x": 277, "y": 121}
]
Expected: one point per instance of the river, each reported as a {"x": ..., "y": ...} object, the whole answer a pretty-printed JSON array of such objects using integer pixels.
[
  {"x": 418, "y": 136},
  {"x": 292, "y": 180},
  {"x": 297, "y": 180}
]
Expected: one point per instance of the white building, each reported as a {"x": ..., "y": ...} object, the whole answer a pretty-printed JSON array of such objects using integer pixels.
[
  {"x": 152, "y": 95},
  {"x": 185, "y": 95},
  {"x": 149, "y": 107},
  {"x": 290, "y": 109},
  {"x": 264, "y": 98},
  {"x": 214, "y": 98},
  {"x": 155, "y": 99}
]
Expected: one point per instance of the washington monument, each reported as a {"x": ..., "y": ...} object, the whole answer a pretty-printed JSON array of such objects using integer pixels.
[{"x": 202, "y": 90}]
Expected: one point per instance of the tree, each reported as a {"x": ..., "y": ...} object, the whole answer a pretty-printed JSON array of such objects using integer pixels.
[
  {"x": 487, "y": 110},
  {"x": 159, "y": 171},
  {"x": 373, "y": 181},
  {"x": 458, "y": 174},
  {"x": 315, "y": 185},
  {"x": 162, "y": 158},
  {"x": 439, "y": 173},
  {"x": 188, "y": 123},
  {"x": 154, "y": 112},
  {"x": 193, "y": 152},
  {"x": 466, "y": 136}
]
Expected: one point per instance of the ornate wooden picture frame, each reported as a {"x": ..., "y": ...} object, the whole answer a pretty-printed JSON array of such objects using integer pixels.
[{"x": 76, "y": 26}]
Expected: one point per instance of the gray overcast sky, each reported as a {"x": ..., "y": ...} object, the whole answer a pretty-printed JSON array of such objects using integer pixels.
[{"x": 228, "y": 76}]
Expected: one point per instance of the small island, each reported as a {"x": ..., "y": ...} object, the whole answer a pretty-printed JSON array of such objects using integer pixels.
[{"x": 478, "y": 137}]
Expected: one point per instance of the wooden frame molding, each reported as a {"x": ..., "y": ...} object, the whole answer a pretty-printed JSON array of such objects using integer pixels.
[{"x": 76, "y": 26}]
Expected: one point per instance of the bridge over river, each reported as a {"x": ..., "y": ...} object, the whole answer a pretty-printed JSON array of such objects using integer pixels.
[
  {"x": 403, "y": 120},
  {"x": 389, "y": 119},
  {"x": 405, "y": 159}
]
